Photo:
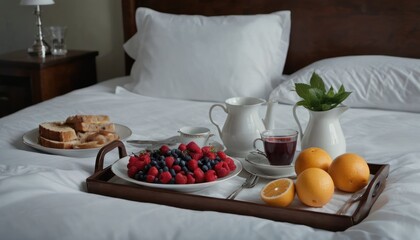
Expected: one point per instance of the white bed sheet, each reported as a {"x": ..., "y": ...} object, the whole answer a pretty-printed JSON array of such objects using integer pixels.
[{"x": 43, "y": 196}]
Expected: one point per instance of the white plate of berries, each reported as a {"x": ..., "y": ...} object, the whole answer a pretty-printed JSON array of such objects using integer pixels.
[{"x": 186, "y": 168}]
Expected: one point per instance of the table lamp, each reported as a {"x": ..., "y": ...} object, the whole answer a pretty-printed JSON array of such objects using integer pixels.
[{"x": 40, "y": 47}]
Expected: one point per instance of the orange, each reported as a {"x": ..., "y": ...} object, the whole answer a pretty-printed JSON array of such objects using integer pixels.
[
  {"x": 314, "y": 187},
  {"x": 279, "y": 193},
  {"x": 350, "y": 172},
  {"x": 312, "y": 157}
]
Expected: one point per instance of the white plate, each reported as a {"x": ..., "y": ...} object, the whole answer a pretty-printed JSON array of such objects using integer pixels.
[
  {"x": 259, "y": 165},
  {"x": 31, "y": 139},
  {"x": 119, "y": 168}
]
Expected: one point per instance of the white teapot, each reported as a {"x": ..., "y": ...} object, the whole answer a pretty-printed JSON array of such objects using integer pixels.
[{"x": 243, "y": 124}]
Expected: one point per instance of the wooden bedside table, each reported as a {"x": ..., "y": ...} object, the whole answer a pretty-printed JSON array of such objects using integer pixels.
[{"x": 26, "y": 80}]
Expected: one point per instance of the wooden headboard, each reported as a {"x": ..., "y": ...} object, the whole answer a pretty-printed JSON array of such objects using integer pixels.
[{"x": 320, "y": 29}]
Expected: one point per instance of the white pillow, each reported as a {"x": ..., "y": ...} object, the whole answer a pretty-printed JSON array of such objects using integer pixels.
[
  {"x": 381, "y": 82},
  {"x": 208, "y": 58}
]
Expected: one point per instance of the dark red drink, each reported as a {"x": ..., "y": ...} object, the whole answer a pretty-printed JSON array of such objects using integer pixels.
[{"x": 280, "y": 150}]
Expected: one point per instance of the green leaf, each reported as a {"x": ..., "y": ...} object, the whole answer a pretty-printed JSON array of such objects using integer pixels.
[
  {"x": 316, "y": 82},
  {"x": 316, "y": 98},
  {"x": 302, "y": 90}
]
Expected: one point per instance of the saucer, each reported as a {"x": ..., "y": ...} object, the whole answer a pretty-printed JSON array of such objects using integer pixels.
[{"x": 258, "y": 165}]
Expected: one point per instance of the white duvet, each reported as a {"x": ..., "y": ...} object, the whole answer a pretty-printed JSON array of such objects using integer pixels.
[{"x": 43, "y": 196}]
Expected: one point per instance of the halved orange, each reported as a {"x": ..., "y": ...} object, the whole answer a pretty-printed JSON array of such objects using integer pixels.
[{"x": 279, "y": 192}]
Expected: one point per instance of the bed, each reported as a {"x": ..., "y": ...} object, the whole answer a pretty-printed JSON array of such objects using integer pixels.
[{"x": 372, "y": 47}]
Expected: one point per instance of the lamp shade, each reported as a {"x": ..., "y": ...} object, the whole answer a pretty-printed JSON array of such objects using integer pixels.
[{"x": 36, "y": 2}]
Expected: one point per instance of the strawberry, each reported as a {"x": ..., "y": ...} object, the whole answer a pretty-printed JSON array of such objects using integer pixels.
[
  {"x": 153, "y": 171},
  {"x": 199, "y": 175},
  {"x": 222, "y": 155},
  {"x": 193, "y": 147},
  {"x": 210, "y": 176},
  {"x": 180, "y": 178},
  {"x": 177, "y": 168},
  {"x": 169, "y": 161},
  {"x": 150, "y": 178},
  {"x": 132, "y": 171},
  {"x": 165, "y": 177},
  {"x": 164, "y": 149},
  {"x": 190, "y": 179},
  {"x": 182, "y": 147},
  {"x": 192, "y": 164}
]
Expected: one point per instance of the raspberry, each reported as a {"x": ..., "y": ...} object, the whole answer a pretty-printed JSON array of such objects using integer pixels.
[
  {"x": 207, "y": 149},
  {"x": 193, "y": 147},
  {"x": 164, "y": 149},
  {"x": 196, "y": 156},
  {"x": 150, "y": 178},
  {"x": 190, "y": 179},
  {"x": 132, "y": 171},
  {"x": 153, "y": 171},
  {"x": 133, "y": 159},
  {"x": 165, "y": 177},
  {"x": 210, "y": 176},
  {"x": 222, "y": 172},
  {"x": 222, "y": 155},
  {"x": 182, "y": 147},
  {"x": 230, "y": 163},
  {"x": 199, "y": 175},
  {"x": 180, "y": 178},
  {"x": 210, "y": 155},
  {"x": 192, "y": 164},
  {"x": 145, "y": 158},
  {"x": 169, "y": 161}
]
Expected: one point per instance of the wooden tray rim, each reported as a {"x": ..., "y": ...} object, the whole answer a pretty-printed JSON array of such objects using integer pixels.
[{"x": 98, "y": 184}]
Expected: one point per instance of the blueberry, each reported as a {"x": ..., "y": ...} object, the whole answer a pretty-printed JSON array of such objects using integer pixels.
[
  {"x": 206, "y": 159},
  {"x": 162, "y": 158},
  {"x": 165, "y": 169},
  {"x": 172, "y": 171},
  {"x": 185, "y": 169},
  {"x": 172, "y": 181},
  {"x": 182, "y": 163},
  {"x": 154, "y": 163},
  {"x": 177, "y": 160},
  {"x": 187, "y": 158},
  {"x": 160, "y": 170},
  {"x": 205, "y": 168}
]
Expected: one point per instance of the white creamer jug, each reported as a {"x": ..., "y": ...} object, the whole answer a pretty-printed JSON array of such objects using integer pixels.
[{"x": 243, "y": 124}]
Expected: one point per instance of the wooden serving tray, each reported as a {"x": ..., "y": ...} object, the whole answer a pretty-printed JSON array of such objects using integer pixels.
[{"x": 99, "y": 183}]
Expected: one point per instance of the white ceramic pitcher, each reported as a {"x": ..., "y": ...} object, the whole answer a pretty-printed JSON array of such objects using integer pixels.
[
  {"x": 324, "y": 131},
  {"x": 243, "y": 124}
]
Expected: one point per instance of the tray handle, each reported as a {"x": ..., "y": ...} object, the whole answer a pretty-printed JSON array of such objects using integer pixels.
[
  {"x": 372, "y": 192},
  {"x": 99, "y": 165}
]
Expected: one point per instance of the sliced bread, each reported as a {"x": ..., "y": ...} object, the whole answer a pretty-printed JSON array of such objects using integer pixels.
[
  {"x": 57, "y": 144},
  {"x": 93, "y": 127},
  {"x": 88, "y": 119},
  {"x": 57, "y": 131}
]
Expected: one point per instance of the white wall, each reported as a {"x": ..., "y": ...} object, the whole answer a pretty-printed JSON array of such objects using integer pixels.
[{"x": 92, "y": 25}]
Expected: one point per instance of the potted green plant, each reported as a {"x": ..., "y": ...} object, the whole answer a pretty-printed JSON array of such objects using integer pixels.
[{"x": 325, "y": 107}]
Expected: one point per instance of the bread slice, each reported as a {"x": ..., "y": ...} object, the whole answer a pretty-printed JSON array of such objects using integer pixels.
[
  {"x": 93, "y": 127},
  {"x": 57, "y": 131},
  {"x": 88, "y": 119},
  {"x": 57, "y": 144}
]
